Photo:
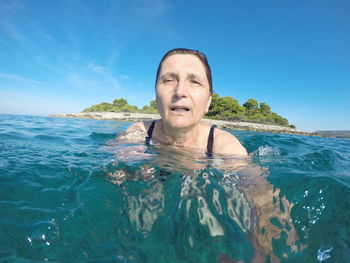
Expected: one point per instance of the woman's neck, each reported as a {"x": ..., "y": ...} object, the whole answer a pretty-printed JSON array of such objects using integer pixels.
[{"x": 183, "y": 137}]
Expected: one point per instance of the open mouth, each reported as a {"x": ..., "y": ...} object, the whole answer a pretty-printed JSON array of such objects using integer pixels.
[{"x": 179, "y": 108}]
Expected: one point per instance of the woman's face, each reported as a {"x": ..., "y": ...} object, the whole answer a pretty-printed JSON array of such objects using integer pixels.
[{"x": 182, "y": 91}]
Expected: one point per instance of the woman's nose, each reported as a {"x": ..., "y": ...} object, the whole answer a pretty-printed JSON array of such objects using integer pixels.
[{"x": 181, "y": 89}]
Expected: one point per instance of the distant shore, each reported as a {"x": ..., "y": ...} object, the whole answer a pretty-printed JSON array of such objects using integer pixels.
[{"x": 134, "y": 117}]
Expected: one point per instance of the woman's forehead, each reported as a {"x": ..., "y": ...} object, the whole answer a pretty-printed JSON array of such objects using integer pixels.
[{"x": 183, "y": 63}]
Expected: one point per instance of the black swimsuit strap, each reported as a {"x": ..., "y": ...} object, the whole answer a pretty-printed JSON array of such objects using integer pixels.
[
  {"x": 210, "y": 140},
  {"x": 150, "y": 132},
  {"x": 209, "y": 143}
]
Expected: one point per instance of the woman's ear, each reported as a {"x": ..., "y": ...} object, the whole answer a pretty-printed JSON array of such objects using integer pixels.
[{"x": 208, "y": 105}]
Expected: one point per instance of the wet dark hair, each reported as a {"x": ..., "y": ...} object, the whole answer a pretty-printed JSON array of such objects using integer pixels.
[{"x": 185, "y": 51}]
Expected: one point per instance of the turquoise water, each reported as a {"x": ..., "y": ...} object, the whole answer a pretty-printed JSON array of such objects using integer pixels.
[{"x": 69, "y": 193}]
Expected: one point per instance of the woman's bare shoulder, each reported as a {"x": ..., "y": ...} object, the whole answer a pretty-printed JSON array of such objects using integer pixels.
[
  {"x": 138, "y": 126},
  {"x": 135, "y": 133},
  {"x": 227, "y": 143}
]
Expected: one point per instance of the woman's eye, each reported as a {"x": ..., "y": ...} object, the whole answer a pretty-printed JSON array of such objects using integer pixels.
[
  {"x": 193, "y": 81},
  {"x": 167, "y": 80}
]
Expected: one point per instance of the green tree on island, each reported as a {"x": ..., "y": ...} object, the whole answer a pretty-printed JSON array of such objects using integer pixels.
[
  {"x": 225, "y": 108},
  {"x": 152, "y": 108},
  {"x": 265, "y": 109},
  {"x": 118, "y": 105},
  {"x": 251, "y": 105}
]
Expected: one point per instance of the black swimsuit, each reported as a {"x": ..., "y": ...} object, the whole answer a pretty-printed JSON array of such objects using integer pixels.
[{"x": 209, "y": 143}]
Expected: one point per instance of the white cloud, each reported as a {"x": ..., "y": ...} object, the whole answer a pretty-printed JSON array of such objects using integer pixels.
[
  {"x": 126, "y": 77},
  {"x": 22, "y": 80},
  {"x": 97, "y": 69}
]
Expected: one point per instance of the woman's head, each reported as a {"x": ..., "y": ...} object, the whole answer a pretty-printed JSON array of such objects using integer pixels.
[
  {"x": 183, "y": 88},
  {"x": 201, "y": 56}
]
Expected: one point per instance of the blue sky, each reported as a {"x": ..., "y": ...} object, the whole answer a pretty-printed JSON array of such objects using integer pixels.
[{"x": 63, "y": 56}]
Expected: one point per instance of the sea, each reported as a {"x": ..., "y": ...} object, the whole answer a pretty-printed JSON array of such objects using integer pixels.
[{"x": 71, "y": 192}]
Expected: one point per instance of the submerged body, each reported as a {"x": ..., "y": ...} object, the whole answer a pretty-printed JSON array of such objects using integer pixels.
[{"x": 219, "y": 192}]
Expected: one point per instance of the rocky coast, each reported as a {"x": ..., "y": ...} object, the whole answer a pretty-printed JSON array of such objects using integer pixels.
[{"x": 133, "y": 117}]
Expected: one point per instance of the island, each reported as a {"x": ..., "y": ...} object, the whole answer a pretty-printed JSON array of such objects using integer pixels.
[
  {"x": 335, "y": 134},
  {"x": 225, "y": 112}
]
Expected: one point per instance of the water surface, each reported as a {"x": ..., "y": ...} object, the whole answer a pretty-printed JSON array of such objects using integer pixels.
[{"x": 70, "y": 195}]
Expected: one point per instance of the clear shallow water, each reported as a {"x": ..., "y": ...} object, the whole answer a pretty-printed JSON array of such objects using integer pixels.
[{"x": 67, "y": 196}]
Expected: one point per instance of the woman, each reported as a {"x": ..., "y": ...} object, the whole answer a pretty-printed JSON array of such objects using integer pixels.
[{"x": 183, "y": 94}]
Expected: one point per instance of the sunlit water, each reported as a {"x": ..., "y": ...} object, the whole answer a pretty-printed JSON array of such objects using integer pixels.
[{"x": 69, "y": 193}]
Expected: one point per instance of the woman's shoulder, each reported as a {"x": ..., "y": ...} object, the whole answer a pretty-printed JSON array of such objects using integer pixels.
[
  {"x": 137, "y": 126},
  {"x": 227, "y": 143},
  {"x": 136, "y": 132},
  {"x": 140, "y": 126}
]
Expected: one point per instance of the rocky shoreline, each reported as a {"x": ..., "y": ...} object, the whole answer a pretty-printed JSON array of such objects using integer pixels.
[{"x": 126, "y": 116}]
